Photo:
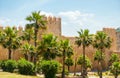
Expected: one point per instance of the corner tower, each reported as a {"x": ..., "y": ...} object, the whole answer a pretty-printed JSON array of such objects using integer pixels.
[{"x": 53, "y": 25}]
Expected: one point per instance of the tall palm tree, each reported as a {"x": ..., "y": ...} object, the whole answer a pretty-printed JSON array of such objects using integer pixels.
[
  {"x": 48, "y": 47},
  {"x": 84, "y": 39},
  {"x": 101, "y": 42},
  {"x": 10, "y": 40},
  {"x": 66, "y": 50},
  {"x": 37, "y": 21}
]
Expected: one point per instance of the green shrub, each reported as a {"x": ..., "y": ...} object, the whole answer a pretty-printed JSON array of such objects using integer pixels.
[
  {"x": 115, "y": 69},
  {"x": 8, "y": 65},
  {"x": 38, "y": 67},
  {"x": 0, "y": 63},
  {"x": 50, "y": 68},
  {"x": 25, "y": 67}
]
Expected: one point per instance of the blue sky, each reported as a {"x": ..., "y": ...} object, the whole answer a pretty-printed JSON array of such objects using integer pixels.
[{"x": 75, "y": 14}]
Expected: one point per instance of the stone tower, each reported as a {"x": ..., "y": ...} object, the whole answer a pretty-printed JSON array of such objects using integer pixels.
[{"x": 111, "y": 32}]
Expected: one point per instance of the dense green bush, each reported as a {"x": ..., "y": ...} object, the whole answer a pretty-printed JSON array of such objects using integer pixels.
[
  {"x": 50, "y": 68},
  {"x": 25, "y": 67},
  {"x": 8, "y": 65},
  {"x": 115, "y": 69}
]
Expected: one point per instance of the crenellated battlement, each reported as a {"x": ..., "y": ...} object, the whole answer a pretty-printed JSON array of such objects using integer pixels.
[
  {"x": 51, "y": 19},
  {"x": 108, "y": 29},
  {"x": 53, "y": 25},
  {"x": 20, "y": 28}
]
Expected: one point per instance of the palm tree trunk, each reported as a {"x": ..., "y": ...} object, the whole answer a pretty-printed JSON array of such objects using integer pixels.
[
  {"x": 63, "y": 71},
  {"x": 9, "y": 55},
  {"x": 68, "y": 69},
  {"x": 116, "y": 76},
  {"x": 84, "y": 70},
  {"x": 101, "y": 65},
  {"x": 31, "y": 58},
  {"x": 75, "y": 67},
  {"x": 35, "y": 44},
  {"x": 26, "y": 56}
]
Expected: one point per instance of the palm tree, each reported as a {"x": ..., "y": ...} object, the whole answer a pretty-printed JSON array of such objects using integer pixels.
[
  {"x": 87, "y": 62},
  {"x": 28, "y": 35},
  {"x": 97, "y": 57},
  {"x": 28, "y": 50},
  {"x": 84, "y": 40},
  {"x": 68, "y": 62},
  {"x": 37, "y": 21},
  {"x": 66, "y": 50},
  {"x": 114, "y": 58},
  {"x": 48, "y": 47},
  {"x": 115, "y": 69},
  {"x": 10, "y": 40},
  {"x": 101, "y": 41}
]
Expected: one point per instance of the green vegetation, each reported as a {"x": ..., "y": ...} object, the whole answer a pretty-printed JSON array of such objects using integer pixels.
[
  {"x": 68, "y": 63},
  {"x": 115, "y": 69},
  {"x": 28, "y": 51},
  {"x": 50, "y": 68},
  {"x": 84, "y": 40},
  {"x": 101, "y": 42},
  {"x": 37, "y": 23},
  {"x": 98, "y": 58},
  {"x": 87, "y": 62},
  {"x": 39, "y": 56},
  {"x": 8, "y": 65},
  {"x": 48, "y": 47},
  {"x": 114, "y": 58},
  {"x": 66, "y": 50},
  {"x": 15, "y": 75},
  {"x": 25, "y": 67},
  {"x": 9, "y": 39}
]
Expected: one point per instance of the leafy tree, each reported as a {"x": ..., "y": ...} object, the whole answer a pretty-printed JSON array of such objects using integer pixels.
[
  {"x": 66, "y": 50},
  {"x": 115, "y": 69},
  {"x": 114, "y": 58},
  {"x": 28, "y": 51},
  {"x": 68, "y": 62},
  {"x": 101, "y": 42},
  {"x": 87, "y": 62},
  {"x": 48, "y": 47},
  {"x": 97, "y": 57},
  {"x": 37, "y": 21},
  {"x": 84, "y": 40},
  {"x": 10, "y": 40}
]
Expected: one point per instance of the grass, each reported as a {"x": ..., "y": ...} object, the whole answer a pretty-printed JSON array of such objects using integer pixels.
[{"x": 14, "y": 75}]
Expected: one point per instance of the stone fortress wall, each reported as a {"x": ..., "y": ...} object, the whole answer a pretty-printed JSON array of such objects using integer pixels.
[{"x": 54, "y": 27}]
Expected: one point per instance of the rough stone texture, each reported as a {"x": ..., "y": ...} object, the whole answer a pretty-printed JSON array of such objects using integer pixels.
[{"x": 54, "y": 27}]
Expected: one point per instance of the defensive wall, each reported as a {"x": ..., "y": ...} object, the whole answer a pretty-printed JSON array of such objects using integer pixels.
[{"x": 54, "y": 26}]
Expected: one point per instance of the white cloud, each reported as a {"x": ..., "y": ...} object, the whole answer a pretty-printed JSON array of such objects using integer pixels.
[
  {"x": 47, "y": 13},
  {"x": 74, "y": 15},
  {"x": 72, "y": 21},
  {"x": 4, "y": 21}
]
